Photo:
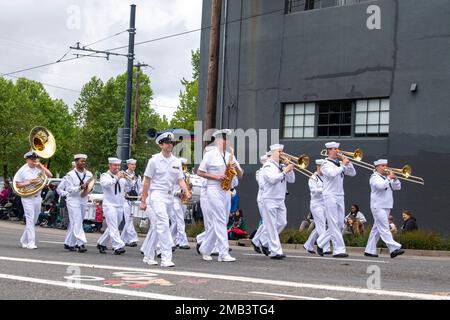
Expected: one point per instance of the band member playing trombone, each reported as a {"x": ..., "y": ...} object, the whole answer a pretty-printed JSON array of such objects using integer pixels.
[
  {"x": 74, "y": 183},
  {"x": 273, "y": 194},
  {"x": 26, "y": 176},
  {"x": 132, "y": 192},
  {"x": 333, "y": 195},
  {"x": 113, "y": 185},
  {"x": 177, "y": 227},
  {"x": 219, "y": 167},
  {"x": 163, "y": 172},
  {"x": 260, "y": 235},
  {"x": 382, "y": 184},
  {"x": 317, "y": 207}
]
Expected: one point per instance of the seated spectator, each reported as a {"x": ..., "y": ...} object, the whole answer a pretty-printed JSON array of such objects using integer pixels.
[
  {"x": 234, "y": 201},
  {"x": 356, "y": 214},
  {"x": 392, "y": 226},
  {"x": 5, "y": 194},
  {"x": 99, "y": 216},
  {"x": 409, "y": 222},
  {"x": 50, "y": 197},
  {"x": 307, "y": 223},
  {"x": 353, "y": 226},
  {"x": 238, "y": 229}
]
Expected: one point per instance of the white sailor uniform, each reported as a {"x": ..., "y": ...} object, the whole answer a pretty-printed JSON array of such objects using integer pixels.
[
  {"x": 129, "y": 234},
  {"x": 381, "y": 203}
]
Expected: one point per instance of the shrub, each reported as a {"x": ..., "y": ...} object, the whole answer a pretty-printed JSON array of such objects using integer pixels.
[{"x": 192, "y": 230}]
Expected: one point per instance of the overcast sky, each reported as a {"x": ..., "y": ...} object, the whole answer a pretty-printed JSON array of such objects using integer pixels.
[{"x": 36, "y": 32}]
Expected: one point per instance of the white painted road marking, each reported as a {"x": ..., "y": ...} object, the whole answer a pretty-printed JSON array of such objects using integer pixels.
[
  {"x": 290, "y": 296},
  {"x": 325, "y": 258},
  {"x": 291, "y": 284},
  {"x": 80, "y": 286}
]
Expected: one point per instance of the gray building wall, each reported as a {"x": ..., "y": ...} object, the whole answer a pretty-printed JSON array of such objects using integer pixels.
[{"x": 330, "y": 54}]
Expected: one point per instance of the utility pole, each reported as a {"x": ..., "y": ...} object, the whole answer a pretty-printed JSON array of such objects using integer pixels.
[
  {"x": 137, "y": 101},
  {"x": 211, "y": 90},
  {"x": 124, "y": 146}
]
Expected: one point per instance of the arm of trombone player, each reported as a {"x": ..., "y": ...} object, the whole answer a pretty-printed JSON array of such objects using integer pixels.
[
  {"x": 330, "y": 170},
  {"x": 349, "y": 170},
  {"x": 396, "y": 184}
]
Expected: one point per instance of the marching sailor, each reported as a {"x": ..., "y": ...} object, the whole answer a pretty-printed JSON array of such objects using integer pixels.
[
  {"x": 113, "y": 185},
  {"x": 260, "y": 232},
  {"x": 383, "y": 183},
  {"x": 132, "y": 191},
  {"x": 333, "y": 172},
  {"x": 73, "y": 184}
]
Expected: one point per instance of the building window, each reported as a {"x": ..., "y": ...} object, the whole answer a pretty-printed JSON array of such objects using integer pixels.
[
  {"x": 303, "y": 5},
  {"x": 340, "y": 118},
  {"x": 299, "y": 120},
  {"x": 335, "y": 119},
  {"x": 372, "y": 117}
]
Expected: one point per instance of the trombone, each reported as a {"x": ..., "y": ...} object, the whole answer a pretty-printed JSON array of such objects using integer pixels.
[
  {"x": 300, "y": 163},
  {"x": 405, "y": 174},
  {"x": 355, "y": 157}
]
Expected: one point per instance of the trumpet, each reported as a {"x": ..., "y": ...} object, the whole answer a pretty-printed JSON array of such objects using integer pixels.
[
  {"x": 405, "y": 173},
  {"x": 300, "y": 163},
  {"x": 128, "y": 176},
  {"x": 355, "y": 157}
]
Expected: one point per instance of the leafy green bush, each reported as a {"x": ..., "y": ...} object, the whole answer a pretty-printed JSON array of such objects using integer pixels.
[
  {"x": 419, "y": 240},
  {"x": 192, "y": 230}
]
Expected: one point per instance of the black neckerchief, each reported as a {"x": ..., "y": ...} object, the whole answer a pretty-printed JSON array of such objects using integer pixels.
[
  {"x": 318, "y": 176},
  {"x": 81, "y": 179},
  {"x": 337, "y": 164},
  {"x": 117, "y": 186},
  {"x": 280, "y": 167},
  {"x": 385, "y": 178}
]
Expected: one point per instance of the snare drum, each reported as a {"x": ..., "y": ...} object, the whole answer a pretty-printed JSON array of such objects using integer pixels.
[
  {"x": 90, "y": 211},
  {"x": 196, "y": 188},
  {"x": 136, "y": 211}
]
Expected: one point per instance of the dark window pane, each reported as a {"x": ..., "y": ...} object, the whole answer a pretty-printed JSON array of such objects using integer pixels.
[
  {"x": 335, "y": 107},
  {"x": 334, "y": 118},
  {"x": 346, "y": 118},
  {"x": 322, "y": 131},
  {"x": 334, "y": 131},
  {"x": 323, "y": 118},
  {"x": 346, "y": 131},
  {"x": 323, "y": 108}
]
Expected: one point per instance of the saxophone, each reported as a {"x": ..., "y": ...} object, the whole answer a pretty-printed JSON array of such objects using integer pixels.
[{"x": 230, "y": 173}]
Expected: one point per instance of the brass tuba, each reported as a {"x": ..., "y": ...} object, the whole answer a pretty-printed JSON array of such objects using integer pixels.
[{"x": 43, "y": 144}]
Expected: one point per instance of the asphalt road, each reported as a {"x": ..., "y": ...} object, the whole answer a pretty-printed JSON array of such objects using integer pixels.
[{"x": 50, "y": 272}]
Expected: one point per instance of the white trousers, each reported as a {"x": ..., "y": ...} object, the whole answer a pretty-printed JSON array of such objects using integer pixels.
[
  {"x": 150, "y": 217},
  {"x": 260, "y": 236},
  {"x": 381, "y": 229},
  {"x": 75, "y": 232},
  {"x": 219, "y": 203},
  {"x": 335, "y": 217},
  {"x": 113, "y": 216},
  {"x": 275, "y": 220},
  {"x": 318, "y": 212},
  {"x": 177, "y": 227},
  {"x": 129, "y": 234},
  {"x": 161, "y": 203},
  {"x": 32, "y": 209}
]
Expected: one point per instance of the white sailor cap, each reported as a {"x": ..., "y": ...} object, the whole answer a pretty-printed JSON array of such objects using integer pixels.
[
  {"x": 276, "y": 146},
  {"x": 222, "y": 132},
  {"x": 330, "y": 145},
  {"x": 165, "y": 137},
  {"x": 113, "y": 160},
  {"x": 319, "y": 161},
  {"x": 79, "y": 156},
  {"x": 263, "y": 158},
  {"x": 183, "y": 160},
  {"x": 131, "y": 161},
  {"x": 30, "y": 155},
  {"x": 380, "y": 161}
]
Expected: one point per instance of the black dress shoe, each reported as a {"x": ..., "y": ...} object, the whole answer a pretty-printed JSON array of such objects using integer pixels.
[
  {"x": 101, "y": 249},
  {"x": 278, "y": 257},
  {"x": 119, "y": 251},
  {"x": 397, "y": 253},
  {"x": 370, "y": 255},
  {"x": 265, "y": 250},
  {"x": 142, "y": 252},
  {"x": 174, "y": 248},
  {"x": 215, "y": 254},
  {"x": 229, "y": 249},
  {"x": 158, "y": 255},
  {"x": 197, "y": 247},
  {"x": 82, "y": 249},
  {"x": 257, "y": 249},
  {"x": 309, "y": 251},
  {"x": 132, "y": 244},
  {"x": 186, "y": 247},
  {"x": 69, "y": 248},
  {"x": 320, "y": 251},
  {"x": 340, "y": 255}
]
